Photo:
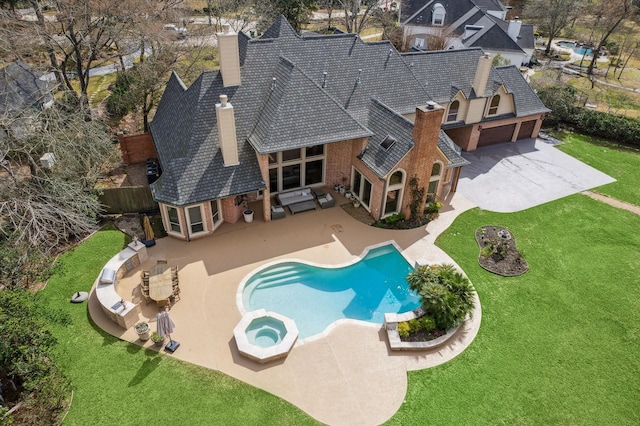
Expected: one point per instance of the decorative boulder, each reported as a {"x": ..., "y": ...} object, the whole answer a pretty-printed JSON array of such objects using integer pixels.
[{"x": 79, "y": 297}]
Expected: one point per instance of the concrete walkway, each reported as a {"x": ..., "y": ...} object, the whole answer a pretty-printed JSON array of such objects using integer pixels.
[
  {"x": 614, "y": 202},
  {"x": 349, "y": 375}
]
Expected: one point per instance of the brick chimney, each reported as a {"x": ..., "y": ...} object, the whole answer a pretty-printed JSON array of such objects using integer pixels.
[
  {"x": 482, "y": 75},
  {"x": 229, "y": 56},
  {"x": 227, "y": 132}
]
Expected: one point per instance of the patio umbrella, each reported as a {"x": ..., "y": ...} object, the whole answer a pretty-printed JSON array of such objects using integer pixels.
[
  {"x": 148, "y": 230},
  {"x": 166, "y": 327}
]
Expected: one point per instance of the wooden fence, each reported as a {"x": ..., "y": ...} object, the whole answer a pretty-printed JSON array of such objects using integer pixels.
[{"x": 134, "y": 199}]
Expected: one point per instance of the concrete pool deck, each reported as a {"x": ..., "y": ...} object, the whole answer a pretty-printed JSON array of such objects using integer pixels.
[{"x": 347, "y": 376}]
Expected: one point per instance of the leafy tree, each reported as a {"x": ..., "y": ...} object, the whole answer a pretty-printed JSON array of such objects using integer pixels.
[
  {"x": 552, "y": 16},
  {"x": 25, "y": 344},
  {"x": 447, "y": 295},
  {"x": 560, "y": 99},
  {"x": 499, "y": 61}
]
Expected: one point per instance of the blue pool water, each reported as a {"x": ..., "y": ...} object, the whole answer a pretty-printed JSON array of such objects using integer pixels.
[
  {"x": 315, "y": 297},
  {"x": 578, "y": 49}
]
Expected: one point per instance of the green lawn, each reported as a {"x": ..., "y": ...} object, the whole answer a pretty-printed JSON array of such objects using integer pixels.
[
  {"x": 120, "y": 383},
  {"x": 618, "y": 161},
  {"x": 557, "y": 345}
]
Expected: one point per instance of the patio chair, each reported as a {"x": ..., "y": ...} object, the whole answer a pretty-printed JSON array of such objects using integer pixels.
[
  {"x": 145, "y": 294},
  {"x": 164, "y": 303},
  {"x": 326, "y": 201},
  {"x": 277, "y": 212}
]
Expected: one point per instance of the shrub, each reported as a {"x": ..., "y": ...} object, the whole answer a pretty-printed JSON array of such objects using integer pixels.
[
  {"x": 447, "y": 295},
  {"x": 403, "y": 329},
  {"x": 427, "y": 323},
  {"x": 393, "y": 219}
]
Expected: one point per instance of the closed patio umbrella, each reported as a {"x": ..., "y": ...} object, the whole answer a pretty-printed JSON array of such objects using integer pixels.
[
  {"x": 165, "y": 328},
  {"x": 148, "y": 230}
]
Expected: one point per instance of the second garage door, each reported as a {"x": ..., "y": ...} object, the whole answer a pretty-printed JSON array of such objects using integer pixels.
[{"x": 495, "y": 135}]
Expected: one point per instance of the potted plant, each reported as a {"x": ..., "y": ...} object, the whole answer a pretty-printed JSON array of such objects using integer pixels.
[
  {"x": 356, "y": 202},
  {"x": 157, "y": 339},
  {"x": 142, "y": 330},
  {"x": 247, "y": 212},
  {"x": 342, "y": 188}
]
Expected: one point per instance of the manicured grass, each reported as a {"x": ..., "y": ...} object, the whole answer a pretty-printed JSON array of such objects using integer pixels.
[
  {"x": 557, "y": 345},
  {"x": 618, "y": 161},
  {"x": 120, "y": 383}
]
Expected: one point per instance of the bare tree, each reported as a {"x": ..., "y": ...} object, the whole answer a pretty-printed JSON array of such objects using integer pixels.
[
  {"x": 42, "y": 207},
  {"x": 607, "y": 17},
  {"x": 553, "y": 15},
  {"x": 358, "y": 13}
]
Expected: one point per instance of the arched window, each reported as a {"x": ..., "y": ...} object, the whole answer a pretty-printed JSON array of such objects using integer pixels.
[
  {"x": 493, "y": 108},
  {"x": 453, "y": 111},
  {"x": 434, "y": 182},
  {"x": 437, "y": 14},
  {"x": 393, "y": 196}
]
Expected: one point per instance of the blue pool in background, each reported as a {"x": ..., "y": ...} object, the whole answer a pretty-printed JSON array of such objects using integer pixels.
[
  {"x": 315, "y": 297},
  {"x": 578, "y": 49}
]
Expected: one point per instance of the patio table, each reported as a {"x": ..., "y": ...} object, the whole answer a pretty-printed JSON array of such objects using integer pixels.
[{"x": 160, "y": 282}]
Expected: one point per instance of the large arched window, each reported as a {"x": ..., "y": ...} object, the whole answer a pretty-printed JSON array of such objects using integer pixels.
[
  {"x": 493, "y": 108},
  {"x": 434, "y": 182},
  {"x": 393, "y": 195},
  {"x": 437, "y": 14},
  {"x": 453, "y": 111}
]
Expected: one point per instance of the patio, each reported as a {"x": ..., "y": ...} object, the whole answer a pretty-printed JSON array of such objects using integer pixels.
[{"x": 346, "y": 376}]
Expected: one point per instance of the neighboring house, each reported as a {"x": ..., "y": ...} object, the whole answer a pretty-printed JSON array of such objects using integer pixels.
[
  {"x": 286, "y": 112},
  {"x": 22, "y": 92},
  {"x": 465, "y": 24}
]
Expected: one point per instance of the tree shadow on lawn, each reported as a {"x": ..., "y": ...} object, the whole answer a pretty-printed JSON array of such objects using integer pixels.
[{"x": 148, "y": 366}]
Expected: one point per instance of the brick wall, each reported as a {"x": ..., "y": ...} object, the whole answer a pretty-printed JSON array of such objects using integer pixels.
[
  {"x": 339, "y": 158},
  {"x": 136, "y": 148}
]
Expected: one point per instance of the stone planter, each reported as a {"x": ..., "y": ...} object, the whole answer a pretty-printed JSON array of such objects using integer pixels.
[
  {"x": 143, "y": 331},
  {"x": 395, "y": 344}
]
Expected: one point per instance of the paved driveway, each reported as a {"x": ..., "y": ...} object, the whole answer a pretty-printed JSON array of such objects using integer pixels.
[{"x": 511, "y": 177}]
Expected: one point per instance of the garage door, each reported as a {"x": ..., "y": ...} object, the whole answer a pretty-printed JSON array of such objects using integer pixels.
[
  {"x": 526, "y": 129},
  {"x": 495, "y": 135}
]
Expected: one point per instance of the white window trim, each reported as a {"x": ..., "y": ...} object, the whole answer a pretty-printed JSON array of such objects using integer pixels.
[
  {"x": 359, "y": 193},
  {"x": 202, "y": 218},
  {"x": 168, "y": 219},
  {"x": 394, "y": 187},
  {"x": 220, "y": 218},
  {"x": 435, "y": 178}
]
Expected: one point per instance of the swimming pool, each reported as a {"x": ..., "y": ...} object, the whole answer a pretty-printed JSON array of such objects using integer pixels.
[
  {"x": 315, "y": 297},
  {"x": 578, "y": 49}
]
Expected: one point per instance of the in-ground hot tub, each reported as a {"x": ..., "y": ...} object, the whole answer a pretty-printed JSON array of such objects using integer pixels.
[{"x": 265, "y": 336}]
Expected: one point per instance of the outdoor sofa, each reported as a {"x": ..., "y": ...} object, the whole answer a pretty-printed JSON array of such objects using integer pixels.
[{"x": 293, "y": 197}]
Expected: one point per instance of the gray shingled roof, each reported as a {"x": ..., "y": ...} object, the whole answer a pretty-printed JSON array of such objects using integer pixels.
[
  {"x": 288, "y": 120},
  {"x": 383, "y": 121},
  {"x": 525, "y": 99},
  {"x": 451, "y": 151},
  {"x": 300, "y": 109},
  {"x": 21, "y": 88},
  {"x": 416, "y": 12},
  {"x": 445, "y": 72}
]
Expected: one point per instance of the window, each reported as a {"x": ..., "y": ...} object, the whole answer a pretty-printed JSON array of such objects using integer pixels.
[
  {"x": 215, "y": 213},
  {"x": 196, "y": 224},
  {"x": 174, "y": 219},
  {"x": 362, "y": 188},
  {"x": 434, "y": 182},
  {"x": 296, "y": 168},
  {"x": 453, "y": 111},
  {"x": 393, "y": 197},
  {"x": 387, "y": 142},
  {"x": 437, "y": 14},
  {"x": 493, "y": 108}
]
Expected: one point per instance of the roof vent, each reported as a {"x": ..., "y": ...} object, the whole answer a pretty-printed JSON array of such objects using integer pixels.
[
  {"x": 273, "y": 84},
  {"x": 390, "y": 52},
  {"x": 387, "y": 142},
  {"x": 359, "y": 74},
  {"x": 431, "y": 105},
  {"x": 324, "y": 80}
]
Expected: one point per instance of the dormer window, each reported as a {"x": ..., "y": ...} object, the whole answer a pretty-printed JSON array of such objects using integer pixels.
[
  {"x": 493, "y": 108},
  {"x": 437, "y": 14},
  {"x": 387, "y": 142},
  {"x": 452, "y": 115}
]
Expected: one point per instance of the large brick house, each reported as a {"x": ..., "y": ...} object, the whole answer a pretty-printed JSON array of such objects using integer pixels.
[{"x": 287, "y": 112}]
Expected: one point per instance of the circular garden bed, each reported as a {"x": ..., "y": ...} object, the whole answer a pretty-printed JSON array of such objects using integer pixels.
[{"x": 498, "y": 252}]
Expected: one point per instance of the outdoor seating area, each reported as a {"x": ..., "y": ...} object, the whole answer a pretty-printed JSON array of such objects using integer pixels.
[
  {"x": 301, "y": 200},
  {"x": 160, "y": 284}
]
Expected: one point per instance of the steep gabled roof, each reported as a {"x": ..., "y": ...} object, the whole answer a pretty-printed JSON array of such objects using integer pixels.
[
  {"x": 525, "y": 99},
  {"x": 492, "y": 37},
  {"x": 450, "y": 150},
  {"x": 420, "y": 13},
  {"x": 281, "y": 28},
  {"x": 287, "y": 120},
  {"x": 383, "y": 121}
]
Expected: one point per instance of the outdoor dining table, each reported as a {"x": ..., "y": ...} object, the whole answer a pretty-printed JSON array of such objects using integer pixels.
[{"x": 160, "y": 282}]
